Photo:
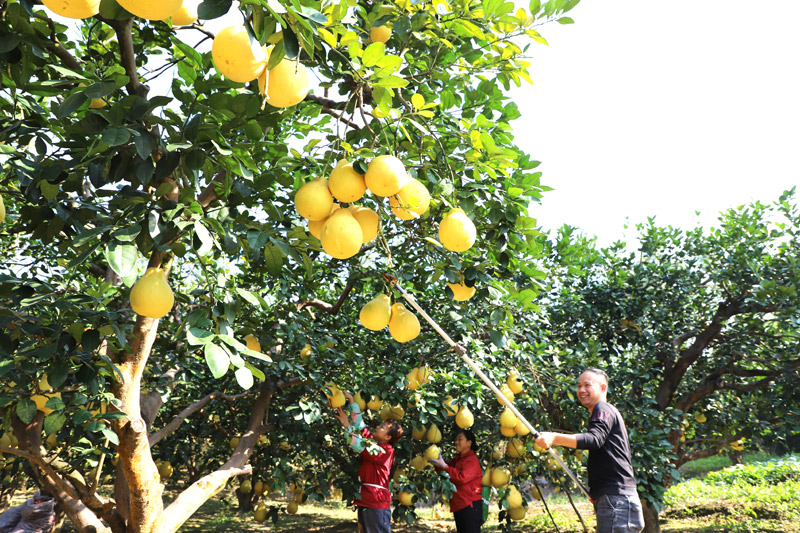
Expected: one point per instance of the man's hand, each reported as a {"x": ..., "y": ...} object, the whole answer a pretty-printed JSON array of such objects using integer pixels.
[
  {"x": 545, "y": 440},
  {"x": 348, "y": 397},
  {"x": 342, "y": 416}
]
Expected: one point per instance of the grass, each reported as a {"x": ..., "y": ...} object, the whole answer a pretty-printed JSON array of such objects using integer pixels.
[{"x": 761, "y": 496}]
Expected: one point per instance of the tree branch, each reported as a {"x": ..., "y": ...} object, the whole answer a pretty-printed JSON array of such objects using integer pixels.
[
  {"x": 325, "y": 306},
  {"x": 55, "y": 47},
  {"x": 328, "y": 107},
  {"x": 209, "y": 194},
  {"x": 127, "y": 55},
  {"x": 189, "y": 411}
]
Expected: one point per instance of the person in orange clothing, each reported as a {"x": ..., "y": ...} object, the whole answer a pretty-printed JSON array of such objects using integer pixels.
[{"x": 466, "y": 474}]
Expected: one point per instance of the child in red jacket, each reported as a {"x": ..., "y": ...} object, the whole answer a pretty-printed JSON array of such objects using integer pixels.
[
  {"x": 377, "y": 455},
  {"x": 466, "y": 474}
]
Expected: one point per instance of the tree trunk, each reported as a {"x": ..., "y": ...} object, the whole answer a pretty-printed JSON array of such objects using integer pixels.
[{"x": 651, "y": 524}]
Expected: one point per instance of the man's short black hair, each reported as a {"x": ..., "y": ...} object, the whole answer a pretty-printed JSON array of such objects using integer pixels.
[{"x": 598, "y": 372}]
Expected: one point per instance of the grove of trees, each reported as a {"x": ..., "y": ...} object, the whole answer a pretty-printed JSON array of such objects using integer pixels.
[{"x": 200, "y": 182}]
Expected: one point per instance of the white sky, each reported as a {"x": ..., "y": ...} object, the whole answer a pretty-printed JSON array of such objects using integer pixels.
[{"x": 646, "y": 107}]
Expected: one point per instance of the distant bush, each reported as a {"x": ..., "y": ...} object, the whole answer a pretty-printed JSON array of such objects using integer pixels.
[{"x": 770, "y": 472}]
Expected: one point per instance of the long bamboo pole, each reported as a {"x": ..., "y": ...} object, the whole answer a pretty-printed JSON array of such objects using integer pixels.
[{"x": 500, "y": 396}]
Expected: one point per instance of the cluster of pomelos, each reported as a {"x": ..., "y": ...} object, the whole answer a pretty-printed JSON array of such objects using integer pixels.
[{"x": 379, "y": 313}]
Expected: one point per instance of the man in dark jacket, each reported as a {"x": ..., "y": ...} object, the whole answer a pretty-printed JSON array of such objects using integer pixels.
[{"x": 611, "y": 482}]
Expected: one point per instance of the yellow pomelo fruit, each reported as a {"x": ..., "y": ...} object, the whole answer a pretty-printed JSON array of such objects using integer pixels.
[
  {"x": 285, "y": 446},
  {"x": 259, "y": 487},
  {"x": 432, "y": 452},
  {"x": 330, "y": 389},
  {"x": 246, "y": 487},
  {"x": 411, "y": 380},
  {"x": 434, "y": 435},
  {"x": 515, "y": 448},
  {"x": 411, "y": 201},
  {"x": 514, "y": 383},
  {"x": 305, "y": 352},
  {"x": 345, "y": 183},
  {"x": 419, "y": 463},
  {"x": 449, "y": 406},
  {"x": 419, "y": 433},
  {"x": 396, "y": 412},
  {"x": 506, "y": 392},
  {"x": 285, "y": 84},
  {"x": 233, "y": 443},
  {"x": 517, "y": 513},
  {"x": 535, "y": 494},
  {"x": 376, "y": 313},
  {"x": 314, "y": 201},
  {"x": 461, "y": 292},
  {"x": 315, "y": 226},
  {"x": 362, "y": 405},
  {"x": 700, "y": 417},
  {"x": 399, "y": 472},
  {"x": 374, "y": 402},
  {"x": 97, "y": 103},
  {"x": 457, "y": 233},
  {"x": 186, "y": 14},
  {"x": 235, "y": 56},
  {"x": 521, "y": 429},
  {"x": 487, "y": 478},
  {"x": 341, "y": 235},
  {"x": 423, "y": 375},
  {"x": 151, "y": 9},
  {"x": 406, "y": 498},
  {"x": 403, "y": 325},
  {"x": 47, "y": 392},
  {"x": 385, "y": 175},
  {"x": 380, "y": 34},
  {"x": 2, "y": 210},
  {"x": 291, "y": 508},
  {"x": 514, "y": 498},
  {"x": 151, "y": 295},
  {"x": 165, "y": 470},
  {"x": 464, "y": 418},
  {"x": 500, "y": 476},
  {"x": 507, "y": 432},
  {"x": 538, "y": 449},
  {"x": 260, "y": 515},
  {"x": 74, "y": 9},
  {"x": 338, "y": 399},
  {"x": 508, "y": 419},
  {"x": 369, "y": 221},
  {"x": 252, "y": 343}
]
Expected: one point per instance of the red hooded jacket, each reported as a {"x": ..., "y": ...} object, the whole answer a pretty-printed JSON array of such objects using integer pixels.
[
  {"x": 375, "y": 470},
  {"x": 466, "y": 474}
]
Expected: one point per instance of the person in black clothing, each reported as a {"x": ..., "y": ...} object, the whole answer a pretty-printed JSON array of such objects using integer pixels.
[{"x": 611, "y": 482}]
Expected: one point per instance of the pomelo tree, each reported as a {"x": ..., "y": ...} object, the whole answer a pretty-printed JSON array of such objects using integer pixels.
[
  {"x": 112, "y": 175},
  {"x": 697, "y": 329}
]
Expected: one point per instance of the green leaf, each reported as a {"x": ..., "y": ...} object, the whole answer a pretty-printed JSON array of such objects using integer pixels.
[
  {"x": 116, "y": 136},
  {"x": 291, "y": 46},
  {"x": 122, "y": 258},
  {"x": 274, "y": 259},
  {"x": 217, "y": 360},
  {"x": 394, "y": 82},
  {"x": 244, "y": 377},
  {"x": 211, "y": 9},
  {"x": 250, "y": 297},
  {"x": 112, "y": 437},
  {"x": 8, "y": 42},
  {"x": 53, "y": 422},
  {"x": 498, "y": 338},
  {"x": 206, "y": 241},
  {"x": 128, "y": 234},
  {"x": 49, "y": 190},
  {"x": 534, "y": 7},
  {"x": 373, "y": 53},
  {"x": 71, "y": 104},
  {"x": 26, "y": 410},
  {"x": 565, "y": 20},
  {"x": 198, "y": 337},
  {"x": 100, "y": 89}
]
